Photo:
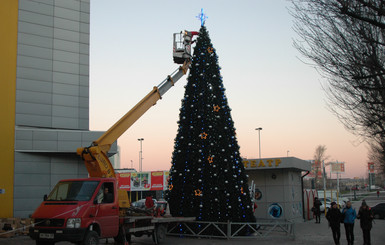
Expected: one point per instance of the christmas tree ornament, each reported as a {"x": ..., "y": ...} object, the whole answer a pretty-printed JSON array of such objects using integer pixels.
[
  {"x": 198, "y": 192},
  {"x": 210, "y": 159},
  {"x": 216, "y": 108},
  {"x": 203, "y": 135}
]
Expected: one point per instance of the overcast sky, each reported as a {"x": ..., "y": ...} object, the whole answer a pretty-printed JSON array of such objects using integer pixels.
[{"x": 267, "y": 85}]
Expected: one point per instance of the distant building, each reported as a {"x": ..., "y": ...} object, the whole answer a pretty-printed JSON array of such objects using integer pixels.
[{"x": 115, "y": 159}]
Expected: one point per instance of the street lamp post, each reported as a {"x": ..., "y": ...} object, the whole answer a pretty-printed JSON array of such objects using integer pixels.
[
  {"x": 259, "y": 137},
  {"x": 140, "y": 155}
]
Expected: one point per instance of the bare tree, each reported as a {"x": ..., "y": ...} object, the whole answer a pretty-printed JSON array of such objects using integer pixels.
[
  {"x": 319, "y": 157},
  {"x": 345, "y": 41}
]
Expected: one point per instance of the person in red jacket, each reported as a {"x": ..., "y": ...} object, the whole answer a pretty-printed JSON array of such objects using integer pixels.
[{"x": 149, "y": 202}]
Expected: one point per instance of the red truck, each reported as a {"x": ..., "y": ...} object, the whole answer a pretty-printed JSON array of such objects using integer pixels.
[
  {"x": 77, "y": 210},
  {"x": 84, "y": 210}
]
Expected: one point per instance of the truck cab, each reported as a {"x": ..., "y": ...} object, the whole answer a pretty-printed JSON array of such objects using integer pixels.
[{"x": 78, "y": 210}]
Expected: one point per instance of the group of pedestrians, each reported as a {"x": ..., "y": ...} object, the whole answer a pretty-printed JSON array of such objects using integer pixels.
[{"x": 348, "y": 216}]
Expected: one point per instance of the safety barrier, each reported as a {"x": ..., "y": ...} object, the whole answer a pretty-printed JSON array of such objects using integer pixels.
[{"x": 263, "y": 229}]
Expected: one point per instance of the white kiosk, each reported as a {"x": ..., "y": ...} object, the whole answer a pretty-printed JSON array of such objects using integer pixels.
[{"x": 276, "y": 186}]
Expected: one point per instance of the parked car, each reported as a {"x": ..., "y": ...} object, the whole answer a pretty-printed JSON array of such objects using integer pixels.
[
  {"x": 141, "y": 203},
  {"x": 374, "y": 187},
  {"x": 379, "y": 211},
  {"x": 322, "y": 207}
]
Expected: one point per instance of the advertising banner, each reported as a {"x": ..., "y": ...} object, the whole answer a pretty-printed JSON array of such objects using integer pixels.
[
  {"x": 124, "y": 180},
  {"x": 157, "y": 181},
  {"x": 316, "y": 169},
  {"x": 338, "y": 167},
  {"x": 140, "y": 181},
  {"x": 166, "y": 177},
  {"x": 371, "y": 167},
  {"x": 145, "y": 181}
]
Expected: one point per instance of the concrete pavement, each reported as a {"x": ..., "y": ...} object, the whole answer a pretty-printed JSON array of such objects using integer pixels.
[{"x": 306, "y": 233}]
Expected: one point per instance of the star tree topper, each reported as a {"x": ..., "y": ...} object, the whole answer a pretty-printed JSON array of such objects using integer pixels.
[{"x": 203, "y": 17}]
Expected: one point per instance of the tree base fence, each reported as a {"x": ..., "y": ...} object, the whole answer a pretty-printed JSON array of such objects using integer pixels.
[{"x": 263, "y": 229}]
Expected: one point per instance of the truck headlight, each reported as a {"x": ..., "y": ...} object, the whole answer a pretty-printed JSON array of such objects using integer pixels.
[{"x": 74, "y": 222}]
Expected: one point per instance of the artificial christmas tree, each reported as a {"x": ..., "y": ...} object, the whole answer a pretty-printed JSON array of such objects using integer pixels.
[{"x": 207, "y": 177}]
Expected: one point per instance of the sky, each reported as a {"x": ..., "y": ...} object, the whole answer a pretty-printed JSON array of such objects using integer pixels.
[{"x": 268, "y": 84}]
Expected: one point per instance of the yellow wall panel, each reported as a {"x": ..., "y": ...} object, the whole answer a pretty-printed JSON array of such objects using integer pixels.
[{"x": 8, "y": 51}]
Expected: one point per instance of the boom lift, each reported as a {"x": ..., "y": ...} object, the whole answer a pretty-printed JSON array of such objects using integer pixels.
[
  {"x": 83, "y": 210},
  {"x": 95, "y": 156}
]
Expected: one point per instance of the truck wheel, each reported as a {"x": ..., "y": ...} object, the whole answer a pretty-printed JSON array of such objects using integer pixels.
[
  {"x": 120, "y": 239},
  {"x": 160, "y": 234},
  {"x": 91, "y": 238}
]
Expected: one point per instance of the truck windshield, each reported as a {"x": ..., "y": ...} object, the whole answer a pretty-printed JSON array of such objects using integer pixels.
[{"x": 73, "y": 191}]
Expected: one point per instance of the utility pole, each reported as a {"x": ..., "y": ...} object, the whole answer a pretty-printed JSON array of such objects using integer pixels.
[
  {"x": 259, "y": 137},
  {"x": 323, "y": 175},
  {"x": 140, "y": 154}
]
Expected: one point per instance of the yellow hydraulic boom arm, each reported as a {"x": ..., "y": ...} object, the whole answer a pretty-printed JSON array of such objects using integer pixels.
[{"x": 95, "y": 156}]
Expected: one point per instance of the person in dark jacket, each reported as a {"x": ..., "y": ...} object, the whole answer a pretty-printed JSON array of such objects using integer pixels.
[
  {"x": 365, "y": 216},
  {"x": 350, "y": 216},
  {"x": 334, "y": 217},
  {"x": 317, "y": 211}
]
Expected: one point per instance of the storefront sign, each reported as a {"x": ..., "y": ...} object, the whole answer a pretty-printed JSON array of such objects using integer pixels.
[{"x": 262, "y": 163}]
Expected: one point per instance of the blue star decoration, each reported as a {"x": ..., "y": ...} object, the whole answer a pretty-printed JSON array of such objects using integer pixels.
[{"x": 203, "y": 17}]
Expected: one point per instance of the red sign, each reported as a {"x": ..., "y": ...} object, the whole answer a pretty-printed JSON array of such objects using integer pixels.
[
  {"x": 316, "y": 170},
  {"x": 371, "y": 167},
  {"x": 157, "y": 181},
  {"x": 124, "y": 181}
]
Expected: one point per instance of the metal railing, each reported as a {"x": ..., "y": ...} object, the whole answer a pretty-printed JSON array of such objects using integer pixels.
[{"x": 262, "y": 229}]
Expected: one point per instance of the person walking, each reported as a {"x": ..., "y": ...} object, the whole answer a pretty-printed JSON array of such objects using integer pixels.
[
  {"x": 334, "y": 218},
  {"x": 317, "y": 211},
  {"x": 365, "y": 216},
  {"x": 378, "y": 193},
  {"x": 349, "y": 215}
]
